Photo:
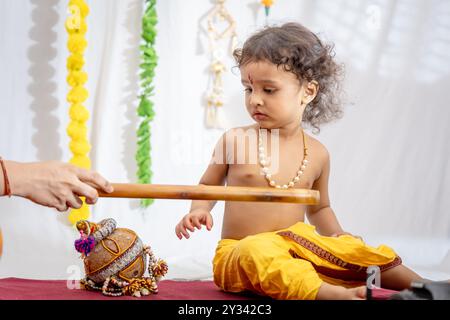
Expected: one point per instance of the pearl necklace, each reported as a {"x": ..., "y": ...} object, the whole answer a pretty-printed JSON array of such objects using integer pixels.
[{"x": 263, "y": 162}]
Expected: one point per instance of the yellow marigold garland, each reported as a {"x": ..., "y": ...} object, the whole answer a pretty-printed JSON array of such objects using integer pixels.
[{"x": 77, "y": 130}]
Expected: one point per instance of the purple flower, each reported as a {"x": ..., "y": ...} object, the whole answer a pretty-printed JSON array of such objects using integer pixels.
[{"x": 85, "y": 244}]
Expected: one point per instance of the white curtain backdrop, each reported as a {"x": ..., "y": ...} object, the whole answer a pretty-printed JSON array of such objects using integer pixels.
[{"x": 390, "y": 178}]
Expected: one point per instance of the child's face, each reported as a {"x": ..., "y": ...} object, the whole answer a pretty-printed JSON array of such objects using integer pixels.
[{"x": 274, "y": 97}]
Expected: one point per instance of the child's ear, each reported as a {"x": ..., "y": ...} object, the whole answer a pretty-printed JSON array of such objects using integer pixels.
[{"x": 311, "y": 88}]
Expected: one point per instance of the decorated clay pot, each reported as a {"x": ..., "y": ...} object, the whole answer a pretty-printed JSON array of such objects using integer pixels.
[{"x": 115, "y": 260}]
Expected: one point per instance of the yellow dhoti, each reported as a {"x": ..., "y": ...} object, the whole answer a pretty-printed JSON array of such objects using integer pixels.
[{"x": 292, "y": 263}]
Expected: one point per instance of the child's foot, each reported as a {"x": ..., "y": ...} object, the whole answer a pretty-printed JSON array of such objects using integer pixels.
[
  {"x": 332, "y": 292},
  {"x": 358, "y": 293}
]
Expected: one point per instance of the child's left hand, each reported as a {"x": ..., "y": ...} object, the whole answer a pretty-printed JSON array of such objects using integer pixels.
[{"x": 338, "y": 234}]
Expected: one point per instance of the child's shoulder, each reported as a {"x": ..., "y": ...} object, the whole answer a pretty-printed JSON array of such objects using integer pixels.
[{"x": 317, "y": 149}]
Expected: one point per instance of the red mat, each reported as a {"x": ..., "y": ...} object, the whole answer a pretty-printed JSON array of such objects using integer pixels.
[{"x": 25, "y": 289}]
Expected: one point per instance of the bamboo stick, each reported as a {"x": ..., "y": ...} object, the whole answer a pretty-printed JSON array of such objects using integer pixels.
[{"x": 203, "y": 192}]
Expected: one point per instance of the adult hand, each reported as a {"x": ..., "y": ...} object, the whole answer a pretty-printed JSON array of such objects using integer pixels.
[{"x": 55, "y": 184}]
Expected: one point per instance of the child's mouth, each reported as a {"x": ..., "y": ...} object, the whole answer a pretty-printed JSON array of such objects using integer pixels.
[{"x": 259, "y": 116}]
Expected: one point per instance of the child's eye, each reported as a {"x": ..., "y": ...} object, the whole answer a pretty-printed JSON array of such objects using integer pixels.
[
  {"x": 248, "y": 90},
  {"x": 269, "y": 91}
]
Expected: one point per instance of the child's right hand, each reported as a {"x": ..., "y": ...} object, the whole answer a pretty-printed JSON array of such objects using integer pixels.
[{"x": 193, "y": 219}]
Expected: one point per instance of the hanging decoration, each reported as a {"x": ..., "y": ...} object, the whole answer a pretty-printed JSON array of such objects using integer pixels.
[
  {"x": 215, "y": 97},
  {"x": 145, "y": 110},
  {"x": 76, "y": 78},
  {"x": 267, "y": 5}
]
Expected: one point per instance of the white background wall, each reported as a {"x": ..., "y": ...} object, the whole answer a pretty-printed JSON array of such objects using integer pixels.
[{"x": 390, "y": 176}]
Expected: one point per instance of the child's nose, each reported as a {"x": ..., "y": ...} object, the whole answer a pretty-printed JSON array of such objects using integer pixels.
[{"x": 255, "y": 100}]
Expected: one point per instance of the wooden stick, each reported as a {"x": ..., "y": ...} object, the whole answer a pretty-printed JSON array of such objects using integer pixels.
[{"x": 203, "y": 192}]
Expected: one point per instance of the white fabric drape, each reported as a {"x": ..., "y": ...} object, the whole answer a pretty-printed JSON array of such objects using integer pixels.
[{"x": 390, "y": 175}]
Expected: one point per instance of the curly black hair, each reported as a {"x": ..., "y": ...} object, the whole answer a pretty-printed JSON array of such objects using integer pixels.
[{"x": 298, "y": 50}]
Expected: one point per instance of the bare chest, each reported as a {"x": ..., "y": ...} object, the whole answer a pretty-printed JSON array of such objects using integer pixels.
[{"x": 282, "y": 168}]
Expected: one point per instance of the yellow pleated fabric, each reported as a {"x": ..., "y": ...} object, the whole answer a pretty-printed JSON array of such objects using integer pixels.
[{"x": 293, "y": 263}]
